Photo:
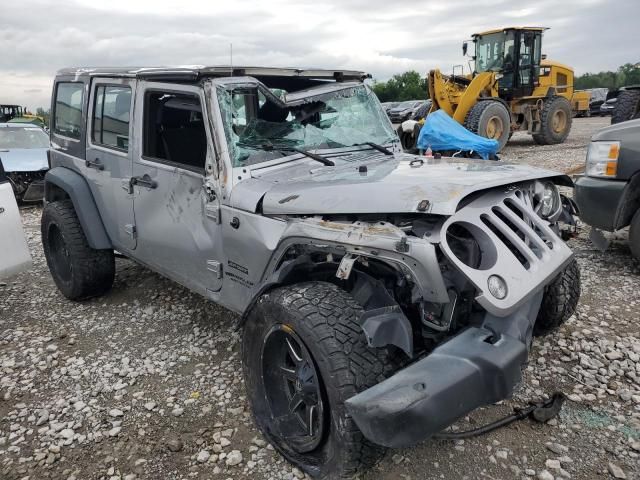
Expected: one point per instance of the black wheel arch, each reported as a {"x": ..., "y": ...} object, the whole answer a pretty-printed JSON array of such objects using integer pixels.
[
  {"x": 367, "y": 288},
  {"x": 61, "y": 183},
  {"x": 629, "y": 203}
]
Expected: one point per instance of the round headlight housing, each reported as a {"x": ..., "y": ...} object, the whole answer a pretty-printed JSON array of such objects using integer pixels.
[
  {"x": 549, "y": 200},
  {"x": 497, "y": 287}
]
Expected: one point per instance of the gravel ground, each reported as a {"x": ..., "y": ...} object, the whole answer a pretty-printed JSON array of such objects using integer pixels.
[{"x": 144, "y": 383}]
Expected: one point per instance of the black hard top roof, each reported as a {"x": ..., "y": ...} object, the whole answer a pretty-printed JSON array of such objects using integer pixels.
[{"x": 196, "y": 72}]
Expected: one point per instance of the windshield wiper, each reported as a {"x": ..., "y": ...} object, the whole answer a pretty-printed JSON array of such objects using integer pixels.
[
  {"x": 271, "y": 147},
  {"x": 375, "y": 146},
  {"x": 315, "y": 156}
]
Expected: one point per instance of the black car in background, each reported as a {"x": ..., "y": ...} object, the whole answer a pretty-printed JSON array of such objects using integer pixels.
[
  {"x": 386, "y": 106},
  {"x": 608, "y": 107},
  {"x": 404, "y": 110}
]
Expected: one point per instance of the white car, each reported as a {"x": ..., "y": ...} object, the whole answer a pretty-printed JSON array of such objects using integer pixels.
[{"x": 14, "y": 253}]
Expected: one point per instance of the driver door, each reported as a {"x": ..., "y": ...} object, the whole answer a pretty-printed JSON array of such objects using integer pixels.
[
  {"x": 177, "y": 222},
  {"x": 527, "y": 64}
]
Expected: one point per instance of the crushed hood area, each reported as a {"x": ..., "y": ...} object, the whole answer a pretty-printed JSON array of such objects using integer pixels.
[{"x": 389, "y": 185}]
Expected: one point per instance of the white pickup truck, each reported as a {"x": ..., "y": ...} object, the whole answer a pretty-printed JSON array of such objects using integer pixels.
[{"x": 14, "y": 253}]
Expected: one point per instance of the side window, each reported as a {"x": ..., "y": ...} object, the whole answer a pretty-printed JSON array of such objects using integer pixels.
[
  {"x": 174, "y": 129},
  {"x": 68, "y": 109},
  {"x": 111, "y": 115}
]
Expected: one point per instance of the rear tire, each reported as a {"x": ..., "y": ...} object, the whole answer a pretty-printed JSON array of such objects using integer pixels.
[
  {"x": 560, "y": 300},
  {"x": 556, "y": 119},
  {"x": 320, "y": 321},
  {"x": 78, "y": 270},
  {"x": 490, "y": 119},
  {"x": 627, "y": 106}
]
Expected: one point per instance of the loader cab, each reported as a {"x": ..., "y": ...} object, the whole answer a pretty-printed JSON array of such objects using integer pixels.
[{"x": 512, "y": 53}]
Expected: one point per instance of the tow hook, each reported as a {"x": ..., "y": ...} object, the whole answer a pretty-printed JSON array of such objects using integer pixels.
[{"x": 541, "y": 411}]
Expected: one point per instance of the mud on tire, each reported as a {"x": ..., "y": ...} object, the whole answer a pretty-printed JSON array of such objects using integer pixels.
[
  {"x": 78, "y": 270},
  {"x": 559, "y": 301},
  {"x": 556, "y": 118},
  {"x": 322, "y": 318},
  {"x": 490, "y": 116}
]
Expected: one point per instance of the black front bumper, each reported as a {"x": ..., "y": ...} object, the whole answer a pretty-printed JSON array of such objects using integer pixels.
[
  {"x": 479, "y": 366},
  {"x": 461, "y": 375},
  {"x": 598, "y": 200}
]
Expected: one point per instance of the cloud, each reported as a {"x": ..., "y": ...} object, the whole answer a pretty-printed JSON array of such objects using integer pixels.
[{"x": 379, "y": 36}]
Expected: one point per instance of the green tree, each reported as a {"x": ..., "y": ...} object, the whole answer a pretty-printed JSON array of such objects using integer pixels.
[
  {"x": 627, "y": 74},
  {"x": 404, "y": 86}
]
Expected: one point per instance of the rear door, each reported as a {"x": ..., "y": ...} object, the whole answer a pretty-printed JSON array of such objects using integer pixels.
[
  {"x": 108, "y": 163},
  {"x": 14, "y": 253}
]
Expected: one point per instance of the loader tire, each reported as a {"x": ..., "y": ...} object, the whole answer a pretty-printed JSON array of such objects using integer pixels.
[
  {"x": 490, "y": 119},
  {"x": 559, "y": 301},
  {"x": 78, "y": 270},
  {"x": 555, "y": 119},
  {"x": 627, "y": 106},
  {"x": 304, "y": 340}
]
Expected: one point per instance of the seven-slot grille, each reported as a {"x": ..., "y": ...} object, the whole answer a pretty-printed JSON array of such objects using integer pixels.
[{"x": 514, "y": 244}]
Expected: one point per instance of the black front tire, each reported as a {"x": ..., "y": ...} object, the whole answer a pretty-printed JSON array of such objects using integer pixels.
[
  {"x": 490, "y": 119},
  {"x": 323, "y": 318},
  {"x": 556, "y": 119},
  {"x": 634, "y": 236},
  {"x": 78, "y": 270},
  {"x": 560, "y": 300}
]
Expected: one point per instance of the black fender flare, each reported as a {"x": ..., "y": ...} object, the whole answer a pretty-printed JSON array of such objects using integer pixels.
[{"x": 77, "y": 189}]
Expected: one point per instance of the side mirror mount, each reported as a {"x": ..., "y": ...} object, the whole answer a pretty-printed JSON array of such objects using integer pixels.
[{"x": 465, "y": 47}]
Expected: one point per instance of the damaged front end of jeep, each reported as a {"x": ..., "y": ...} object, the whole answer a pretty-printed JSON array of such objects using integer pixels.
[{"x": 457, "y": 295}]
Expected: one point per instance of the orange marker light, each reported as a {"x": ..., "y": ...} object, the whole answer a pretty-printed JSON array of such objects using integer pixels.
[{"x": 614, "y": 151}]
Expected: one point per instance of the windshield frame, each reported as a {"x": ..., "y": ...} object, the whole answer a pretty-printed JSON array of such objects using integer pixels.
[
  {"x": 241, "y": 172},
  {"x": 25, "y": 126}
]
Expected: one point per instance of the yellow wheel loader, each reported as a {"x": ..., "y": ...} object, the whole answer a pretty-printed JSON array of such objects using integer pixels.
[{"x": 513, "y": 87}]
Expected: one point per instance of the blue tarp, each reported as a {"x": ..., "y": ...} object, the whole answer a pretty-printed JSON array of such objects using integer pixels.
[{"x": 441, "y": 132}]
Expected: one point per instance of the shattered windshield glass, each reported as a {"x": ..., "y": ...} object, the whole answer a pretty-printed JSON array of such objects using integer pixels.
[{"x": 260, "y": 125}]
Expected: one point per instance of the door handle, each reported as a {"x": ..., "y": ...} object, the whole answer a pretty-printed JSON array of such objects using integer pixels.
[
  {"x": 144, "y": 181},
  {"x": 97, "y": 164}
]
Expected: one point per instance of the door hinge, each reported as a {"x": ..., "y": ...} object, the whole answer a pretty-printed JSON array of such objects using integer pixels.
[
  {"x": 215, "y": 267},
  {"x": 212, "y": 211},
  {"x": 131, "y": 230}
]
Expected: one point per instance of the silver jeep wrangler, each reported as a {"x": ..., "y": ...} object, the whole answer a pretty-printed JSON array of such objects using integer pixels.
[{"x": 383, "y": 295}]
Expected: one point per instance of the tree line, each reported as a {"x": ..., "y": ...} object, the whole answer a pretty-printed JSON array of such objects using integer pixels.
[{"x": 412, "y": 85}]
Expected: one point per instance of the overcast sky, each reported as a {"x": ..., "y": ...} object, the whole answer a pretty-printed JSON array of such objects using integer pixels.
[{"x": 383, "y": 37}]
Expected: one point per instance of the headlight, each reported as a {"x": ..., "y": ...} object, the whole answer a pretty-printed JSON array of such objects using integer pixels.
[
  {"x": 548, "y": 198},
  {"x": 497, "y": 287},
  {"x": 602, "y": 159}
]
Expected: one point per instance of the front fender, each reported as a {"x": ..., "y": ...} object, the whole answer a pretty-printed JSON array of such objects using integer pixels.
[{"x": 77, "y": 189}]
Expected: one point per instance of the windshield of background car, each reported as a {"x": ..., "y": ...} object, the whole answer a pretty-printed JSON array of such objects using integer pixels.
[
  {"x": 492, "y": 50},
  {"x": 406, "y": 105},
  {"x": 259, "y": 129},
  {"x": 23, "y": 138}
]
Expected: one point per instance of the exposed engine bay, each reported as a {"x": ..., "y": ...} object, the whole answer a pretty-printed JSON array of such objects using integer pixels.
[{"x": 499, "y": 249}]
